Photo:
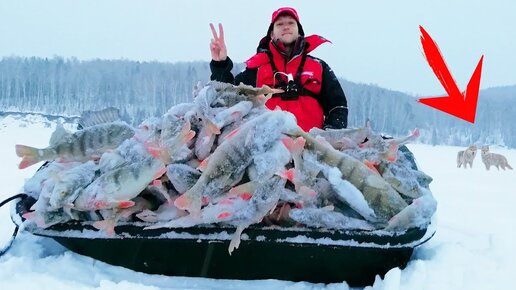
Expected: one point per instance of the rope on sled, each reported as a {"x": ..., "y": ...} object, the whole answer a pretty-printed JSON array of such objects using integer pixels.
[{"x": 4, "y": 249}]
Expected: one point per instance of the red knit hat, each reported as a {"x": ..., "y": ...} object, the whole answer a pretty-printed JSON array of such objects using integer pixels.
[{"x": 284, "y": 11}]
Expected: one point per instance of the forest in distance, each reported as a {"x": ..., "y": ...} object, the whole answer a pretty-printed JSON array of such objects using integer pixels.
[{"x": 66, "y": 87}]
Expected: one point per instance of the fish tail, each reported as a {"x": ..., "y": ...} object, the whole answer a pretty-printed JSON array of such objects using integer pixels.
[
  {"x": 186, "y": 202},
  {"x": 307, "y": 191},
  {"x": 415, "y": 134},
  {"x": 372, "y": 165},
  {"x": 186, "y": 134},
  {"x": 243, "y": 190},
  {"x": 159, "y": 153},
  {"x": 296, "y": 146},
  {"x": 108, "y": 226},
  {"x": 183, "y": 202},
  {"x": 212, "y": 127},
  {"x": 29, "y": 154},
  {"x": 289, "y": 174},
  {"x": 159, "y": 173},
  {"x": 392, "y": 153}
]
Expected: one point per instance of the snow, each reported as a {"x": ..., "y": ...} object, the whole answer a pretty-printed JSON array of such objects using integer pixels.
[{"x": 472, "y": 248}]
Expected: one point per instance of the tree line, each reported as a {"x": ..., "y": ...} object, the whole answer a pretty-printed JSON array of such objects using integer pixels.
[{"x": 59, "y": 86}]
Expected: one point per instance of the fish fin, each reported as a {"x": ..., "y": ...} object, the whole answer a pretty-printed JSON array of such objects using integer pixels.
[
  {"x": 126, "y": 204},
  {"x": 33, "y": 216},
  {"x": 245, "y": 188},
  {"x": 67, "y": 208},
  {"x": 224, "y": 215},
  {"x": 186, "y": 134},
  {"x": 294, "y": 146},
  {"x": 107, "y": 115},
  {"x": 159, "y": 173},
  {"x": 288, "y": 174},
  {"x": 185, "y": 202},
  {"x": 212, "y": 128},
  {"x": 29, "y": 215},
  {"x": 307, "y": 191},
  {"x": 59, "y": 134},
  {"x": 100, "y": 204},
  {"x": 265, "y": 97},
  {"x": 235, "y": 241},
  {"x": 288, "y": 142},
  {"x": 246, "y": 195},
  {"x": 392, "y": 153},
  {"x": 28, "y": 161},
  {"x": 372, "y": 166},
  {"x": 108, "y": 226},
  {"x": 204, "y": 164},
  {"x": 158, "y": 153},
  {"x": 265, "y": 89},
  {"x": 415, "y": 134},
  {"x": 155, "y": 152},
  {"x": 231, "y": 134},
  {"x": 147, "y": 216},
  {"x": 29, "y": 155},
  {"x": 189, "y": 136}
]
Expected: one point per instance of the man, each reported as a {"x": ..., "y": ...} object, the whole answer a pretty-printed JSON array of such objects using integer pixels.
[{"x": 312, "y": 91}]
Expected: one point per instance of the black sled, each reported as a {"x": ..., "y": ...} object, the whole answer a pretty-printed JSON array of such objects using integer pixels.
[{"x": 295, "y": 254}]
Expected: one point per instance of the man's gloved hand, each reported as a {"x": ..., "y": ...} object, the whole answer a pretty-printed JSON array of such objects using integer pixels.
[{"x": 336, "y": 119}]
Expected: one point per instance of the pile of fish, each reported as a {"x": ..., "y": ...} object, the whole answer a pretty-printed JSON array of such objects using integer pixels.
[{"x": 226, "y": 159}]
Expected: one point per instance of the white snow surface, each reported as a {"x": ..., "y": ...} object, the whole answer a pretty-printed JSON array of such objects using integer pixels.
[{"x": 472, "y": 248}]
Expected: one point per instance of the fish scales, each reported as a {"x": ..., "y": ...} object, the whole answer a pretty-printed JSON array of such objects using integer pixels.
[{"x": 382, "y": 198}]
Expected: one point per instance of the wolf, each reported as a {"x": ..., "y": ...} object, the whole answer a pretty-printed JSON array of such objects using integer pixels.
[
  {"x": 466, "y": 157},
  {"x": 494, "y": 159}
]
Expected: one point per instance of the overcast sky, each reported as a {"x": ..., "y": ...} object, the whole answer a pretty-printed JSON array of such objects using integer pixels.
[{"x": 374, "y": 42}]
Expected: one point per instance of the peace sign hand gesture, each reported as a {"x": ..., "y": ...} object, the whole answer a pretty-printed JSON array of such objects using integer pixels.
[{"x": 217, "y": 45}]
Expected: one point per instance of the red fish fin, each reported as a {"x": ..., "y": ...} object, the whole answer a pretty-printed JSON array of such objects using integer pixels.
[
  {"x": 126, "y": 204},
  {"x": 224, "y": 215},
  {"x": 183, "y": 202},
  {"x": 28, "y": 161},
  {"x": 231, "y": 134}
]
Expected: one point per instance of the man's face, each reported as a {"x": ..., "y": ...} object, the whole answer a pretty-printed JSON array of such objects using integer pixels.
[{"x": 285, "y": 30}]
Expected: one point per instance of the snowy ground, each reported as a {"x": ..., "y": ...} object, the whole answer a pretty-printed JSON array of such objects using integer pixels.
[{"x": 472, "y": 248}]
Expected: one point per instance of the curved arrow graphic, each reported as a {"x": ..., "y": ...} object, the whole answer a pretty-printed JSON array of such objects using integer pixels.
[{"x": 461, "y": 105}]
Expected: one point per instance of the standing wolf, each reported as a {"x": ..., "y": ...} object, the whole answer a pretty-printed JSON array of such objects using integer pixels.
[
  {"x": 467, "y": 156},
  {"x": 494, "y": 159}
]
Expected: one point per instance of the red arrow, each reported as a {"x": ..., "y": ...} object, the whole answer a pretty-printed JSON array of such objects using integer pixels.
[{"x": 461, "y": 105}]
